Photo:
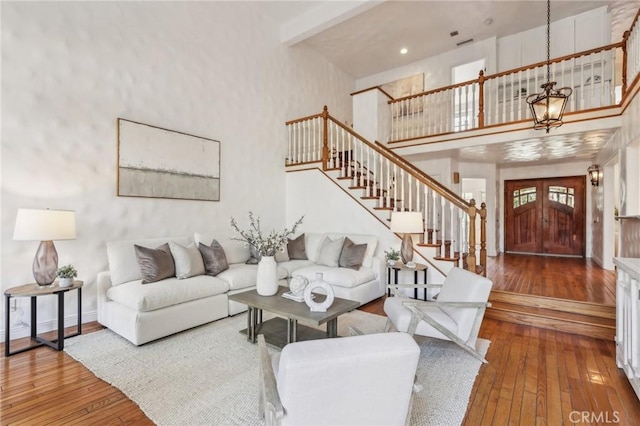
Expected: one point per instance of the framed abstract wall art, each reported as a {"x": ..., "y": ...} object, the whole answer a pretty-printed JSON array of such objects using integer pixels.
[{"x": 154, "y": 162}]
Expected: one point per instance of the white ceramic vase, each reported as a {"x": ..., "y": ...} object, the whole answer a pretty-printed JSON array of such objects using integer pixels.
[{"x": 267, "y": 280}]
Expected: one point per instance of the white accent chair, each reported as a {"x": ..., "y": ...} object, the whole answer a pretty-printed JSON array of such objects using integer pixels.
[
  {"x": 456, "y": 315},
  {"x": 356, "y": 380}
]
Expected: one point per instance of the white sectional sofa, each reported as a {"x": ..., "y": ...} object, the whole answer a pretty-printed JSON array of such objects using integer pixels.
[{"x": 145, "y": 312}]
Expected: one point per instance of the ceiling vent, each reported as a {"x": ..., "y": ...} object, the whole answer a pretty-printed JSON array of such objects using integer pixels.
[{"x": 464, "y": 42}]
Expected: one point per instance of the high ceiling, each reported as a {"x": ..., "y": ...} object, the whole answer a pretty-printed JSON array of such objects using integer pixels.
[
  {"x": 365, "y": 38},
  {"x": 368, "y": 41}
]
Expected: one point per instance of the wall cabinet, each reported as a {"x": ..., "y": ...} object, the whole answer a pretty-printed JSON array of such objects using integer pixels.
[
  {"x": 578, "y": 33},
  {"x": 628, "y": 319}
]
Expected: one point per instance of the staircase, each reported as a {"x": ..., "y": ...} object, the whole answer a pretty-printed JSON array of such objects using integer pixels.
[
  {"x": 383, "y": 183},
  {"x": 583, "y": 318}
]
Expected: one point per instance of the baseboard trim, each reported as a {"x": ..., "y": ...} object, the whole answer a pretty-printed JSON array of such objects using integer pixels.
[{"x": 20, "y": 332}]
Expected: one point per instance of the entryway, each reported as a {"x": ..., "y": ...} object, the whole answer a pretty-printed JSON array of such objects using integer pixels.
[{"x": 545, "y": 216}]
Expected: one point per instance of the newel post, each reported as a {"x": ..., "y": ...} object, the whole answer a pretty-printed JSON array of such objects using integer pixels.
[
  {"x": 625, "y": 39},
  {"x": 481, "y": 100},
  {"x": 471, "y": 258},
  {"x": 483, "y": 238},
  {"x": 325, "y": 138}
]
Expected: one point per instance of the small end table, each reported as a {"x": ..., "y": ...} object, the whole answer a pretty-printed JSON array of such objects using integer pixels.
[
  {"x": 33, "y": 291},
  {"x": 399, "y": 266}
]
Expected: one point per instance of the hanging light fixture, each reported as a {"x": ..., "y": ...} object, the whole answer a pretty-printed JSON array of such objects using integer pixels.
[{"x": 547, "y": 107}]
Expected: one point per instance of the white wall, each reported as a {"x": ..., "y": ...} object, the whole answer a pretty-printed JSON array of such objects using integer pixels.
[
  {"x": 535, "y": 172},
  {"x": 212, "y": 69}
]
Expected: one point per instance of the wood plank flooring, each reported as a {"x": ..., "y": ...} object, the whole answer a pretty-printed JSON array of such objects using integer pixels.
[
  {"x": 534, "y": 376},
  {"x": 560, "y": 277}
]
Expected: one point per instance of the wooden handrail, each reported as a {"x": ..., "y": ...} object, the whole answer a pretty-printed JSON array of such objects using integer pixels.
[
  {"x": 431, "y": 92},
  {"x": 299, "y": 120},
  {"x": 384, "y": 92},
  {"x": 508, "y": 72},
  {"x": 411, "y": 169},
  {"x": 424, "y": 178},
  {"x": 556, "y": 60}
]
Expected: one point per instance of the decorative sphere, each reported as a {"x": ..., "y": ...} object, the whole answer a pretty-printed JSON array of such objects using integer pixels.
[{"x": 298, "y": 284}]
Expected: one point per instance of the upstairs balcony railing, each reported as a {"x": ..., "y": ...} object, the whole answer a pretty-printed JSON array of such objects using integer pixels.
[{"x": 492, "y": 100}]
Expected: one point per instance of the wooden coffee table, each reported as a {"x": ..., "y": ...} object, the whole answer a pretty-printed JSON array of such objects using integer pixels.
[{"x": 284, "y": 328}]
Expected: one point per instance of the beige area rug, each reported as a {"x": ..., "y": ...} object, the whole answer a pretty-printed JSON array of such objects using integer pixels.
[{"x": 209, "y": 375}]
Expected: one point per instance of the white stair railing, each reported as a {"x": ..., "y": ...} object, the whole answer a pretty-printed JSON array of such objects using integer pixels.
[
  {"x": 391, "y": 182},
  {"x": 501, "y": 98}
]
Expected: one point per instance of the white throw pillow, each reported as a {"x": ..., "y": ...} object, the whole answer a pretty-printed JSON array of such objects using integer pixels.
[
  {"x": 329, "y": 253},
  {"x": 188, "y": 260}
]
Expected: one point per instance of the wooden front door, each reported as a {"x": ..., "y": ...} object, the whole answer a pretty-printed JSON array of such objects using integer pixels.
[{"x": 545, "y": 216}]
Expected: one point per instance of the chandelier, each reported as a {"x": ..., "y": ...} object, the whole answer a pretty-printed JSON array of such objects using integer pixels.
[{"x": 547, "y": 107}]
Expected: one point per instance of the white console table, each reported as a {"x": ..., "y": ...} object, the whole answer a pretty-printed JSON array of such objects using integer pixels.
[{"x": 628, "y": 319}]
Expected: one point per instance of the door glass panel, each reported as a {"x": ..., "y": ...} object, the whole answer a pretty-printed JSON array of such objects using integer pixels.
[
  {"x": 562, "y": 189},
  {"x": 524, "y": 196},
  {"x": 562, "y": 195}
]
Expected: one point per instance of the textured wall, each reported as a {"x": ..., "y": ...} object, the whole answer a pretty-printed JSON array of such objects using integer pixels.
[{"x": 212, "y": 69}]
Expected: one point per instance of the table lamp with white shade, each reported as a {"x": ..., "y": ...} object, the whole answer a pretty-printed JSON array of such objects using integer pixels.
[
  {"x": 45, "y": 225},
  {"x": 407, "y": 223}
]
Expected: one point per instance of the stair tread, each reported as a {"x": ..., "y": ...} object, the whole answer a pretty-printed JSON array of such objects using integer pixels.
[
  {"x": 544, "y": 302},
  {"x": 555, "y": 315}
]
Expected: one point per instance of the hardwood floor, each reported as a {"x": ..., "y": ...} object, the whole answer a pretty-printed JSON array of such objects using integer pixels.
[
  {"x": 560, "y": 277},
  {"x": 534, "y": 376}
]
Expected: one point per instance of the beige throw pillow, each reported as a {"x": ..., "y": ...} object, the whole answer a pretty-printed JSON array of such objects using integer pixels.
[{"x": 188, "y": 260}]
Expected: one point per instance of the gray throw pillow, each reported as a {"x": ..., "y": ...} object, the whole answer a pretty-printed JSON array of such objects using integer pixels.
[
  {"x": 155, "y": 264},
  {"x": 297, "y": 249},
  {"x": 254, "y": 256},
  {"x": 215, "y": 260},
  {"x": 329, "y": 252},
  {"x": 352, "y": 254}
]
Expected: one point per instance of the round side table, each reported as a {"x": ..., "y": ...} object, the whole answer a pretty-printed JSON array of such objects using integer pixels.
[
  {"x": 34, "y": 291},
  {"x": 399, "y": 266}
]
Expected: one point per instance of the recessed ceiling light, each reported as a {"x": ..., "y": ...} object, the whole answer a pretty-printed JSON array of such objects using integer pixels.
[
  {"x": 404, "y": 51},
  {"x": 488, "y": 21}
]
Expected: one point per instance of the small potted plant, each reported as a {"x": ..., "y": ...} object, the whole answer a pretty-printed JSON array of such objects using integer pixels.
[
  {"x": 392, "y": 256},
  {"x": 66, "y": 274}
]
